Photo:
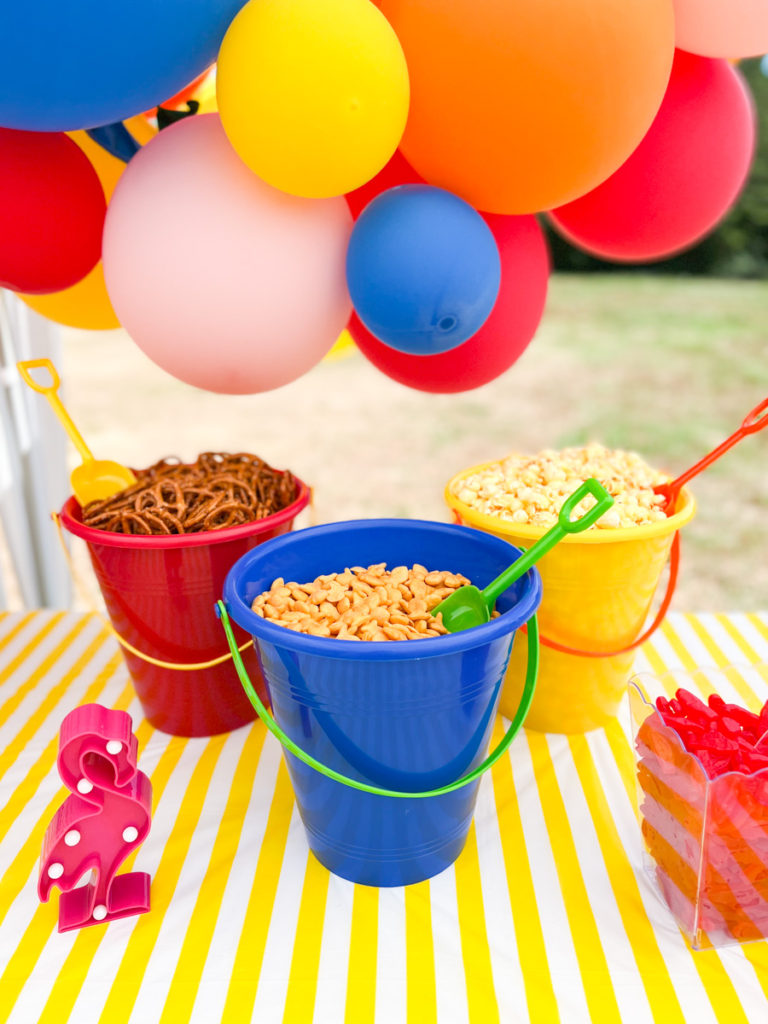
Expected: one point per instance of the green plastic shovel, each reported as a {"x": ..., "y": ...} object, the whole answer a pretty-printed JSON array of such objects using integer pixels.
[{"x": 468, "y": 606}]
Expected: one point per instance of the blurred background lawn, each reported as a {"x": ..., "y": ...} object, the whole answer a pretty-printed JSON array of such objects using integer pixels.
[{"x": 664, "y": 365}]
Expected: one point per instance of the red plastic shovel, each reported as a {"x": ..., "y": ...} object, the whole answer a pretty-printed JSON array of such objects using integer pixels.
[{"x": 753, "y": 421}]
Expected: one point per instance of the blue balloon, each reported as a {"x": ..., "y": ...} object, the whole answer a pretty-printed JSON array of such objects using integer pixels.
[
  {"x": 423, "y": 269},
  {"x": 85, "y": 63}
]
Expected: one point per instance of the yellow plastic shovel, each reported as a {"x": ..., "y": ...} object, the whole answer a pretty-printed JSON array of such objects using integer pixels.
[{"x": 95, "y": 479}]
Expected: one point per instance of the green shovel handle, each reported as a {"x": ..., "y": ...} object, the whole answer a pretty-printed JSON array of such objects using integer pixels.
[
  {"x": 529, "y": 687},
  {"x": 564, "y": 525}
]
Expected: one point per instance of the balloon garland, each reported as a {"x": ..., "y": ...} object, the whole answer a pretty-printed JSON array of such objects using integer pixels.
[
  {"x": 380, "y": 165},
  {"x": 683, "y": 177},
  {"x": 272, "y": 296},
  {"x": 423, "y": 269},
  {"x": 52, "y": 210}
]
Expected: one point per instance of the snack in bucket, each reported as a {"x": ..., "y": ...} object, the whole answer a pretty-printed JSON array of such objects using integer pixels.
[
  {"x": 216, "y": 491},
  {"x": 597, "y": 586},
  {"x": 530, "y": 489},
  {"x": 161, "y": 550},
  {"x": 360, "y": 603}
]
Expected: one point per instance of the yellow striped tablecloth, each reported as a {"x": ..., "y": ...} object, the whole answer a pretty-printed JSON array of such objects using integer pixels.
[{"x": 546, "y": 916}]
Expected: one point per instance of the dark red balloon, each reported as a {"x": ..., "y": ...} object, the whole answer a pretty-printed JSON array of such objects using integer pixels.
[
  {"x": 504, "y": 335},
  {"x": 52, "y": 210},
  {"x": 396, "y": 172},
  {"x": 683, "y": 177}
]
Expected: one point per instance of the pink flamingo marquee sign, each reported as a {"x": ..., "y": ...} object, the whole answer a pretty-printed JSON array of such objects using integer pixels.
[{"x": 106, "y": 817}]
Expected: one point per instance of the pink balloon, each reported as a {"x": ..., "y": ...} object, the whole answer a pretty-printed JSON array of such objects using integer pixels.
[
  {"x": 225, "y": 282},
  {"x": 722, "y": 28},
  {"x": 505, "y": 334},
  {"x": 683, "y": 177}
]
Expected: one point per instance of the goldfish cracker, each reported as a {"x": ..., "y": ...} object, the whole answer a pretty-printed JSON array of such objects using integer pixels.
[{"x": 362, "y": 603}]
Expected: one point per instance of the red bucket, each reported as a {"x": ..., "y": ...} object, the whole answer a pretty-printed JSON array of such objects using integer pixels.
[{"x": 160, "y": 593}]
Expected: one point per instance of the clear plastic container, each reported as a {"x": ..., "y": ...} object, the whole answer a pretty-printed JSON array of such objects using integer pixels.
[{"x": 705, "y": 841}]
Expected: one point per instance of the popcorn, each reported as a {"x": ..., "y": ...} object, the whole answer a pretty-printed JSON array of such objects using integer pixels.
[{"x": 530, "y": 489}]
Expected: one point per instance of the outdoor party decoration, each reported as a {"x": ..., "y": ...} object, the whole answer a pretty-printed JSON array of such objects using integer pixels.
[
  {"x": 86, "y": 304},
  {"x": 397, "y": 171},
  {"x": 517, "y": 106},
  {"x": 225, "y": 282},
  {"x": 51, "y": 212},
  {"x": 722, "y": 28},
  {"x": 192, "y": 90},
  {"x": 313, "y": 96},
  {"x": 106, "y": 817},
  {"x": 423, "y": 269},
  {"x": 513, "y": 108},
  {"x": 80, "y": 64},
  {"x": 683, "y": 177},
  {"x": 502, "y": 338}
]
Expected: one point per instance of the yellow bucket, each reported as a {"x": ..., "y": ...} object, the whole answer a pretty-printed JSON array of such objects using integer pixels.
[{"x": 598, "y": 587}]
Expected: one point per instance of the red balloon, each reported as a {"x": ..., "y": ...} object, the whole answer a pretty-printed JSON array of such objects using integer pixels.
[
  {"x": 52, "y": 210},
  {"x": 504, "y": 335},
  {"x": 396, "y": 172},
  {"x": 683, "y": 177}
]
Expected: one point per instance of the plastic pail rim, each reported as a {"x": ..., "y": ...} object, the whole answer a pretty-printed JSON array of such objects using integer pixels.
[
  {"x": 392, "y": 650},
  {"x": 69, "y": 517},
  {"x": 686, "y": 506}
]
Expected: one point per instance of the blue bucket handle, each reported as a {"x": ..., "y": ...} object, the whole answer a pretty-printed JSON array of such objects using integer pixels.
[{"x": 529, "y": 687}]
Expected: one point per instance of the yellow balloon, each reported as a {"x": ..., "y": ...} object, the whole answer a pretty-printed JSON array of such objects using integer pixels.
[
  {"x": 206, "y": 95},
  {"x": 85, "y": 305},
  {"x": 313, "y": 96},
  {"x": 141, "y": 128},
  {"x": 343, "y": 346}
]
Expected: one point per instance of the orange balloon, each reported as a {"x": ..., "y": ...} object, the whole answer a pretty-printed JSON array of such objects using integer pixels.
[
  {"x": 85, "y": 305},
  {"x": 140, "y": 128},
  {"x": 180, "y": 98},
  {"x": 520, "y": 106}
]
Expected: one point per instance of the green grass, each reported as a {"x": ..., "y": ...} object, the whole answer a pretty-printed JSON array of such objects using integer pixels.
[{"x": 670, "y": 366}]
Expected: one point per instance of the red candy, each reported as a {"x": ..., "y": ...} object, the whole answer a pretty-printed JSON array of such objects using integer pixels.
[
  {"x": 723, "y": 736},
  {"x": 704, "y": 809}
]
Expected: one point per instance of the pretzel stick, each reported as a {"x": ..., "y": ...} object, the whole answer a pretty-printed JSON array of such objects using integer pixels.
[{"x": 216, "y": 491}]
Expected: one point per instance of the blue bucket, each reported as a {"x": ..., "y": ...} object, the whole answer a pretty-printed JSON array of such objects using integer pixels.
[{"x": 385, "y": 741}]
